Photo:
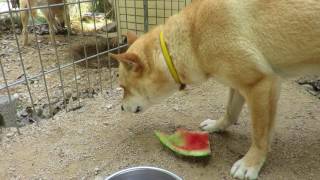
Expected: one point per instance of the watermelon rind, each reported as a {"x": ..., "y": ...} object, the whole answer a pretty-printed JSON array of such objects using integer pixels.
[{"x": 164, "y": 139}]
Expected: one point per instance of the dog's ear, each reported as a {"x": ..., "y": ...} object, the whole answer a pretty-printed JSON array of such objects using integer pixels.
[
  {"x": 131, "y": 37},
  {"x": 130, "y": 61}
]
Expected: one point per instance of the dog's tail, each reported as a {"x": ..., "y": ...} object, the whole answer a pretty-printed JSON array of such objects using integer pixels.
[{"x": 92, "y": 47}]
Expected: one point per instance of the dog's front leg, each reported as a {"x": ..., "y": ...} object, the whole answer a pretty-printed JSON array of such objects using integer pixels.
[
  {"x": 66, "y": 18},
  {"x": 262, "y": 101},
  {"x": 234, "y": 106},
  {"x": 51, "y": 22}
]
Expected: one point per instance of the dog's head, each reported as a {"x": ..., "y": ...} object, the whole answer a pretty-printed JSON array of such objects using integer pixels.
[{"x": 144, "y": 82}]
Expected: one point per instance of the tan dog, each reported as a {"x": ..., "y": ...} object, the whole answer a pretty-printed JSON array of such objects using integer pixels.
[
  {"x": 55, "y": 16},
  {"x": 247, "y": 45}
]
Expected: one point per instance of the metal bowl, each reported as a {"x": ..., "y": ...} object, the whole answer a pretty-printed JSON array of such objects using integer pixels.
[{"x": 143, "y": 173}]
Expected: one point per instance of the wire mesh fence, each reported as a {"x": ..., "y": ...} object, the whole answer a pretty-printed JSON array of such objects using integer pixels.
[
  {"x": 42, "y": 75},
  {"x": 142, "y": 15}
]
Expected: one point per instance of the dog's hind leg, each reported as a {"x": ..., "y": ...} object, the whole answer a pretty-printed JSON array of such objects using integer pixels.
[
  {"x": 262, "y": 98},
  {"x": 24, "y": 20},
  {"x": 230, "y": 117}
]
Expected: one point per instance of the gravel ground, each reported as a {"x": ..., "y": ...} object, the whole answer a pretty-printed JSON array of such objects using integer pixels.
[{"x": 98, "y": 139}]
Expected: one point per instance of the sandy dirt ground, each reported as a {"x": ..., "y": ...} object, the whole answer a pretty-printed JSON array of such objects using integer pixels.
[{"x": 98, "y": 139}]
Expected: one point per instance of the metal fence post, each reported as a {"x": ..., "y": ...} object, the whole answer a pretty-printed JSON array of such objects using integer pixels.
[{"x": 146, "y": 17}]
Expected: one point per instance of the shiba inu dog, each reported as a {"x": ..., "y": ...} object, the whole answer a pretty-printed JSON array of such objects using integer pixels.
[
  {"x": 247, "y": 45},
  {"x": 55, "y": 16}
]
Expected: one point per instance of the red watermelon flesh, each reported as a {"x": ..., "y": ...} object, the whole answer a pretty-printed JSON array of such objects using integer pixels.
[{"x": 187, "y": 143}]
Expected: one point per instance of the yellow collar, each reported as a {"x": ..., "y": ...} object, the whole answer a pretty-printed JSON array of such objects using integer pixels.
[{"x": 171, "y": 67}]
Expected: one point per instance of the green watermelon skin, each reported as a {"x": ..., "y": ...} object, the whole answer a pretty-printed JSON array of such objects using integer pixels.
[{"x": 186, "y": 143}]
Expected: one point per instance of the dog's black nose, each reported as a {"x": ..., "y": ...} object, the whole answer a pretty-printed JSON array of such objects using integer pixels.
[
  {"x": 138, "y": 109},
  {"x": 122, "y": 108}
]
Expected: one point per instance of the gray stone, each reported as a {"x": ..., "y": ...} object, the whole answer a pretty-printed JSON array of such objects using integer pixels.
[
  {"x": 97, "y": 171},
  {"x": 10, "y": 134},
  {"x": 68, "y": 94},
  {"x": 8, "y": 111},
  {"x": 109, "y": 106},
  {"x": 77, "y": 78}
]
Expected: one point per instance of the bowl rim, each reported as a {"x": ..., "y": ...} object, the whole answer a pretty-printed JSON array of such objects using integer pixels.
[{"x": 143, "y": 168}]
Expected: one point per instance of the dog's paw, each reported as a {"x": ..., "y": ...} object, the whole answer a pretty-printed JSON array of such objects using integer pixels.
[
  {"x": 241, "y": 171},
  {"x": 210, "y": 125}
]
